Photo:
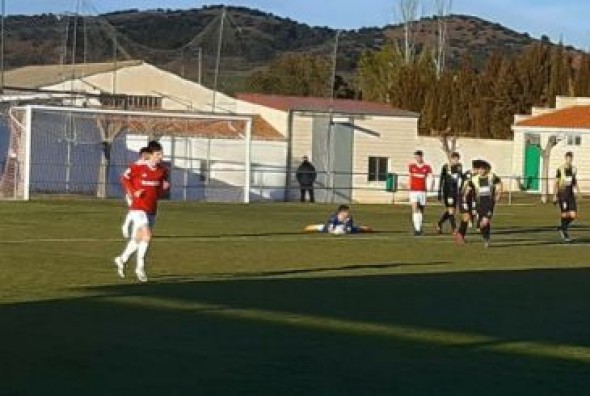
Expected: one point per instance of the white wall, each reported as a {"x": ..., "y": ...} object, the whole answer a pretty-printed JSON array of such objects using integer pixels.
[
  {"x": 397, "y": 142},
  {"x": 581, "y": 154},
  {"x": 226, "y": 160}
]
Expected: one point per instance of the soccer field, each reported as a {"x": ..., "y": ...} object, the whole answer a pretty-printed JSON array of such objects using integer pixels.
[{"x": 240, "y": 302}]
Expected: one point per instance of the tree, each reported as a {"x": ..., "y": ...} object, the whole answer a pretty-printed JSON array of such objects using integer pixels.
[
  {"x": 110, "y": 127},
  {"x": 442, "y": 9},
  {"x": 408, "y": 13},
  {"x": 293, "y": 74}
]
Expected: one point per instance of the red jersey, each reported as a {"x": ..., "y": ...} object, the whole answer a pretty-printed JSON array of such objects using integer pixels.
[
  {"x": 150, "y": 180},
  {"x": 418, "y": 176}
]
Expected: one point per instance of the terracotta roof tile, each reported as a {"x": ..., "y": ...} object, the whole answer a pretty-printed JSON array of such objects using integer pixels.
[
  {"x": 576, "y": 117},
  {"x": 346, "y": 106}
]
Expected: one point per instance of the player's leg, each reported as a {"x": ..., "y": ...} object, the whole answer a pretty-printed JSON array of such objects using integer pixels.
[
  {"x": 417, "y": 211},
  {"x": 145, "y": 237},
  {"x": 452, "y": 219},
  {"x": 444, "y": 217},
  {"x": 128, "y": 219},
  {"x": 567, "y": 210},
  {"x": 311, "y": 195},
  {"x": 486, "y": 212},
  {"x": 315, "y": 228},
  {"x": 465, "y": 219},
  {"x": 125, "y": 228}
]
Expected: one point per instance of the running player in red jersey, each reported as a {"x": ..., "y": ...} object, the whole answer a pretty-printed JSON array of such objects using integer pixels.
[
  {"x": 144, "y": 155},
  {"x": 145, "y": 183},
  {"x": 419, "y": 173}
]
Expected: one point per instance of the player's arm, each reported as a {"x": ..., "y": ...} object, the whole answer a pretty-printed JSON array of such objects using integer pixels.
[
  {"x": 468, "y": 188},
  {"x": 441, "y": 180},
  {"x": 556, "y": 184},
  {"x": 499, "y": 189},
  {"x": 127, "y": 181},
  {"x": 577, "y": 187}
]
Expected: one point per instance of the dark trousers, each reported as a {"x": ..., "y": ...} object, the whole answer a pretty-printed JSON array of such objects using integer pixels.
[{"x": 308, "y": 190}]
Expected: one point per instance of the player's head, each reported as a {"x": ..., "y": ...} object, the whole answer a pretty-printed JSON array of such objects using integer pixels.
[
  {"x": 156, "y": 152},
  {"x": 484, "y": 168},
  {"x": 455, "y": 158},
  {"x": 343, "y": 212},
  {"x": 569, "y": 157},
  {"x": 145, "y": 153},
  {"x": 419, "y": 156}
]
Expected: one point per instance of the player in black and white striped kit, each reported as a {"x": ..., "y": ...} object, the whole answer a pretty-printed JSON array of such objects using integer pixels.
[
  {"x": 487, "y": 189},
  {"x": 449, "y": 190},
  {"x": 566, "y": 185}
]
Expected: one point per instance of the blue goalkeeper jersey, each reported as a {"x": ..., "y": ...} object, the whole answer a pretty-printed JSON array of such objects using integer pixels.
[{"x": 333, "y": 223}]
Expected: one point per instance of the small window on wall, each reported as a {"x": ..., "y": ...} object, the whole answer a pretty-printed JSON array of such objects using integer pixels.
[
  {"x": 378, "y": 167},
  {"x": 574, "y": 140}
]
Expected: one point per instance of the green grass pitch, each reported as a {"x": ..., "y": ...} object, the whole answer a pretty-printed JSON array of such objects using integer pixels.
[{"x": 241, "y": 303}]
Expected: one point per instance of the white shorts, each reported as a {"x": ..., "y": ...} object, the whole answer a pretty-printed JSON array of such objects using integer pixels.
[
  {"x": 418, "y": 197},
  {"x": 141, "y": 219}
]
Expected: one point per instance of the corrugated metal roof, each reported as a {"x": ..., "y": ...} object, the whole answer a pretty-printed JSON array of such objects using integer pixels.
[
  {"x": 38, "y": 76},
  {"x": 575, "y": 117},
  {"x": 211, "y": 129},
  {"x": 324, "y": 105}
]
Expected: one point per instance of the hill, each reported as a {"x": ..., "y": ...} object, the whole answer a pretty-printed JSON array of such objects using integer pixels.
[{"x": 252, "y": 38}]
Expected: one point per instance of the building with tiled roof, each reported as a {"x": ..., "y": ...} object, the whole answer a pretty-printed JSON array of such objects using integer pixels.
[
  {"x": 353, "y": 144},
  {"x": 569, "y": 124}
]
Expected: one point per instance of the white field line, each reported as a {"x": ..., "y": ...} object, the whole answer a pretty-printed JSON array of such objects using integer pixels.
[{"x": 474, "y": 238}]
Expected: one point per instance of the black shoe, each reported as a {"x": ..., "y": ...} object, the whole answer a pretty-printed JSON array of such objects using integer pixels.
[{"x": 418, "y": 233}]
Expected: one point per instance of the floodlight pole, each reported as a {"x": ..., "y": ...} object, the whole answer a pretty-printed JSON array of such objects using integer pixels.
[
  {"x": 330, "y": 171},
  {"x": 218, "y": 61},
  {"x": 2, "y": 47}
]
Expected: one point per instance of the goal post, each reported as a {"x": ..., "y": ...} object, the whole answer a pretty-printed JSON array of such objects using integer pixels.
[{"x": 63, "y": 151}]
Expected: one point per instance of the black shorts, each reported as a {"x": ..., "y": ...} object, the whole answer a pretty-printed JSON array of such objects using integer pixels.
[
  {"x": 485, "y": 209},
  {"x": 450, "y": 201},
  {"x": 567, "y": 203},
  {"x": 466, "y": 206}
]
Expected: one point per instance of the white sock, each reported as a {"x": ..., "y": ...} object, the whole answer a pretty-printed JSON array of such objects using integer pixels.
[
  {"x": 142, "y": 248},
  {"x": 417, "y": 220},
  {"x": 129, "y": 250}
]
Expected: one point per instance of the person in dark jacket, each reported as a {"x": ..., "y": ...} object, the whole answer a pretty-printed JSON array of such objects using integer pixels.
[{"x": 306, "y": 176}]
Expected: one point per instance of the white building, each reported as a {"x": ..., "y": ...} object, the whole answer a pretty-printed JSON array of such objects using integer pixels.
[{"x": 569, "y": 122}]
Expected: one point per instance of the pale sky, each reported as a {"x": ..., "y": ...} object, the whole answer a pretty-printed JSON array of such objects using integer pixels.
[{"x": 556, "y": 18}]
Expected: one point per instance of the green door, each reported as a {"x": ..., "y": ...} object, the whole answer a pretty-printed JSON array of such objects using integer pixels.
[{"x": 532, "y": 164}]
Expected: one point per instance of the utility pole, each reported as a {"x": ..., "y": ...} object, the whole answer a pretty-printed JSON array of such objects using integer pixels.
[
  {"x": 2, "y": 47},
  {"x": 200, "y": 65},
  {"x": 334, "y": 64},
  {"x": 218, "y": 61}
]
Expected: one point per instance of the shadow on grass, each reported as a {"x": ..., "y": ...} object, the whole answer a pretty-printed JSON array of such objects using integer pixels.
[
  {"x": 453, "y": 333},
  {"x": 305, "y": 271}
]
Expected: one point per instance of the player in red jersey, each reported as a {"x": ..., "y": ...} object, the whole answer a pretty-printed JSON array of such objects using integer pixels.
[
  {"x": 419, "y": 172},
  {"x": 145, "y": 183},
  {"x": 144, "y": 155}
]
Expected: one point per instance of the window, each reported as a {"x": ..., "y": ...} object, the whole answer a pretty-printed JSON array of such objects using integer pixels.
[
  {"x": 378, "y": 167},
  {"x": 574, "y": 140}
]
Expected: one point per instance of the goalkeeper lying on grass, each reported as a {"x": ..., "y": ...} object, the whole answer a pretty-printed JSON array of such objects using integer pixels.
[{"x": 339, "y": 223}]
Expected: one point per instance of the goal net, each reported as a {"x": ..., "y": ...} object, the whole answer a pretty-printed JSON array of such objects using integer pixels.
[{"x": 81, "y": 151}]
